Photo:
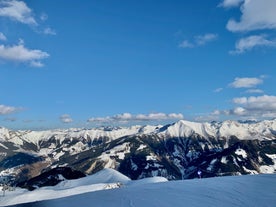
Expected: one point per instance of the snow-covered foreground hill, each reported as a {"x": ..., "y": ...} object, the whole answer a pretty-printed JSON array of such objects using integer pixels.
[{"x": 243, "y": 191}]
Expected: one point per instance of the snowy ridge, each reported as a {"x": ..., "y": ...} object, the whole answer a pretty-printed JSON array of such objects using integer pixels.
[
  {"x": 18, "y": 137},
  {"x": 260, "y": 130}
]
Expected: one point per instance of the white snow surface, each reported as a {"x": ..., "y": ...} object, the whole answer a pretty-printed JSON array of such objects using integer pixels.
[
  {"x": 241, "y": 152},
  {"x": 238, "y": 191},
  {"x": 103, "y": 180},
  {"x": 269, "y": 168}
]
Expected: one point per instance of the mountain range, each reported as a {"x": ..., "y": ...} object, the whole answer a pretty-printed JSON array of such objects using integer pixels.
[{"x": 175, "y": 151}]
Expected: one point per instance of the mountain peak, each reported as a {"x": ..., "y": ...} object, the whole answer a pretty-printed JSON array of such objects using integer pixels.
[{"x": 228, "y": 128}]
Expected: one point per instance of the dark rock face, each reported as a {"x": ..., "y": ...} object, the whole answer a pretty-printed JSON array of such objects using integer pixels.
[
  {"x": 51, "y": 178},
  {"x": 19, "y": 158}
]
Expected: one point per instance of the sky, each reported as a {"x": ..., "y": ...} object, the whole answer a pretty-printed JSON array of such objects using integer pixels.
[{"x": 118, "y": 62}]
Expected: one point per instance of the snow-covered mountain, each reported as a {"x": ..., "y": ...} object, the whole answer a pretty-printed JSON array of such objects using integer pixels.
[
  {"x": 259, "y": 130},
  {"x": 174, "y": 151}
]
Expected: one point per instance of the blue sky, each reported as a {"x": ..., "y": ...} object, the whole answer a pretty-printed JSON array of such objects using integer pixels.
[{"x": 85, "y": 64}]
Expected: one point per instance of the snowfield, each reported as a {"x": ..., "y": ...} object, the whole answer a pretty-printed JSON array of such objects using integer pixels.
[{"x": 112, "y": 189}]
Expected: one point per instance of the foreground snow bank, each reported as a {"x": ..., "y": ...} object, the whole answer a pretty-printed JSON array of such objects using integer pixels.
[
  {"x": 103, "y": 180},
  {"x": 238, "y": 191}
]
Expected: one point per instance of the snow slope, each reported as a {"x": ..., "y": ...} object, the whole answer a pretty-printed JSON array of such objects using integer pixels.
[
  {"x": 238, "y": 191},
  {"x": 103, "y": 180}
]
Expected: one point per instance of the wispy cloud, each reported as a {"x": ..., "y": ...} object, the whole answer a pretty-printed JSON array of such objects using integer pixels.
[
  {"x": 127, "y": 117},
  {"x": 8, "y": 109},
  {"x": 217, "y": 90},
  {"x": 230, "y": 3},
  {"x": 246, "y": 82},
  {"x": 256, "y": 15},
  {"x": 66, "y": 118},
  {"x": 2, "y": 37},
  {"x": 198, "y": 40},
  {"x": 43, "y": 17},
  {"x": 254, "y": 91},
  {"x": 17, "y": 11},
  {"x": 203, "y": 39},
  {"x": 19, "y": 53},
  {"x": 255, "y": 41},
  {"x": 10, "y": 119},
  {"x": 186, "y": 44},
  {"x": 49, "y": 31}
]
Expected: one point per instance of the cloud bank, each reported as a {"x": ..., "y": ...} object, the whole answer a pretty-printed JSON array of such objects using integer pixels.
[
  {"x": 256, "y": 107},
  {"x": 127, "y": 117}
]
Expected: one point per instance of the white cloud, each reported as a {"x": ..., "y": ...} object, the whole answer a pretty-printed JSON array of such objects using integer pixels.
[
  {"x": 19, "y": 53},
  {"x": 220, "y": 112},
  {"x": 127, "y": 117},
  {"x": 254, "y": 91},
  {"x": 49, "y": 31},
  {"x": 43, "y": 17},
  {"x": 186, "y": 44},
  {"x": 65, "y": 118},
  {"x": 217, "y": 90},
  {"x": 203, "y": 39},
  {"x": 240, "y": 111},
  {"x": 246, "y": 82},
  {"x": 256, "y": 107},
  {"x": 36, "y": 64},
  {"x": 251, "y": 42},
  {"x": 230, "y": 3},
  {"x": 256, "y": 15},
  {"x": 2, "y": 37},
  {"x": 17, "y": 11},
  {"x": 8, "y": 109},
  {"x": 198, "y": 40},
  {"x": 263, "y": 103}
]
